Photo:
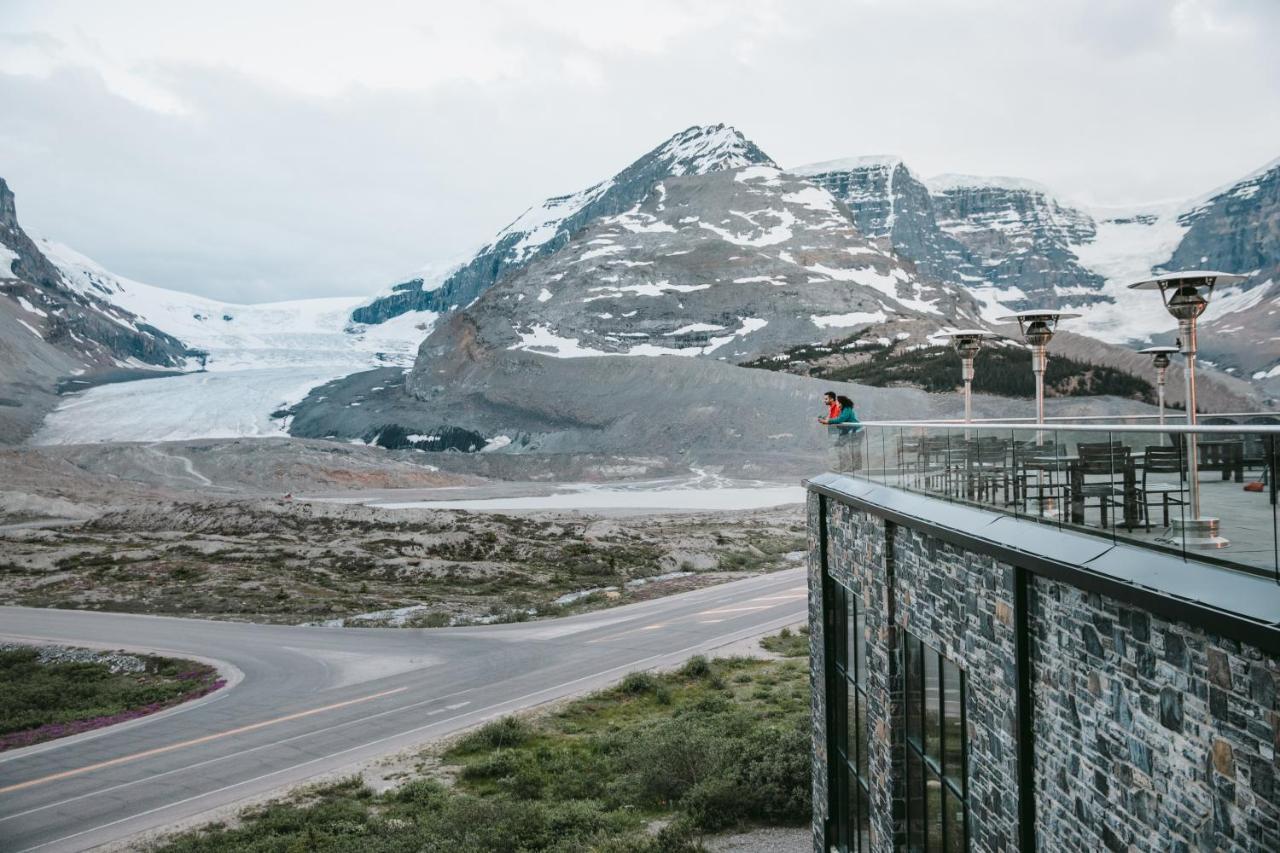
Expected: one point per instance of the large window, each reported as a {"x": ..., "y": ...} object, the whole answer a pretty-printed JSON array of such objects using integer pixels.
[
  {"x": 937, "y": 812},
  {"x": 847, "y": 719}
]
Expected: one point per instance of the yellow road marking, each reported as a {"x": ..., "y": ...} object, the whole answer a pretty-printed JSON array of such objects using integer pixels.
[
  {"x": 625, "y": 633},
  {"x": 735, "y": 609},
  {"x": 124, "y": 759}
]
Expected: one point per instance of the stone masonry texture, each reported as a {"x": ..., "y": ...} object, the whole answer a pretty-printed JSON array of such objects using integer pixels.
[{"x": 1148, "y": 734}]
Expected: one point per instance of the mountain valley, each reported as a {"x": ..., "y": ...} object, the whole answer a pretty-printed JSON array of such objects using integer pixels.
[{"x": 618, "y": 319}]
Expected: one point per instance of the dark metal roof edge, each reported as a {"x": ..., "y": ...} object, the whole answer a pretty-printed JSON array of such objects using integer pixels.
[{"x": 1263, "y": 635}]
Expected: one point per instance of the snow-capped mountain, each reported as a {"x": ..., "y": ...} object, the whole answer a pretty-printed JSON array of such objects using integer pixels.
[
  {"x": 727, "y": 265},
  {"x": 546, "y": 227},
  {"x": 231, "y": 336},
  {"x": 91, "y": 329},
  {"x": 50, "y": 330},
  {"x": 1015, "y": 244},
  {"x": 254, "y": 361},
  {"x": 633, "y": 330},
  {"x": 67, "y": 324}
]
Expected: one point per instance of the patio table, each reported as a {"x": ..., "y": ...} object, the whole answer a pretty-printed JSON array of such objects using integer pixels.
[{"x": 1128, "y": 487}]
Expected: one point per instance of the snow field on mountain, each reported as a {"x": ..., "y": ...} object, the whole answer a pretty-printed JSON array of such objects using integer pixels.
[
  {"x": 1125, "y": 249},
  {"x": 227, "y": 404},
  {"x": 303, "y": 332},
  {"x": 261, "y": 358}
]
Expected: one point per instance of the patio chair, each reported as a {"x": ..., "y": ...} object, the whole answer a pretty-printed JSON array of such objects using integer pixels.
[
  {"x": 1107, "y": 460},
  {"x": 1160, "y": 459},
  {"x": 1035, "y": 465},
  {"x": 932, "y": 462},
  {"x": 986, "y": 467}
]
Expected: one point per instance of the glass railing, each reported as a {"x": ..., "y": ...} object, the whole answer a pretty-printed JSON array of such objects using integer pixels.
[{"x": 1135, "y": 483}]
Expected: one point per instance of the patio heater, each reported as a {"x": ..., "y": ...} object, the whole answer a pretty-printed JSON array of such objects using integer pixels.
[
  {"x": 1160, "y": 361},
  {"x": 1037, "y": 328},
  {"x": 1186, "y": 295},
  {"x": 967, "y": 343}
]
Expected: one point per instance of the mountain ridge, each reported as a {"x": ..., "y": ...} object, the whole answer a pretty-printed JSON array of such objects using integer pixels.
[{"x": 547, "y": 226}]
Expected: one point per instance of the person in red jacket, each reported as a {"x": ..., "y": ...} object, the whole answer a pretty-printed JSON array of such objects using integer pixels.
[{"x": 833, "y": 407}]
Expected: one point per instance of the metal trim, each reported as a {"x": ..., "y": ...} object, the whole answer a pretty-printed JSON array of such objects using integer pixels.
[
  {"x": 1196, "y": 429},
  {"x": 1264, "y": 635}
]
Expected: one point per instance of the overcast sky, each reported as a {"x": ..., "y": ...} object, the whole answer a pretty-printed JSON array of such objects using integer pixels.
[{"x": 255, "y": 151}]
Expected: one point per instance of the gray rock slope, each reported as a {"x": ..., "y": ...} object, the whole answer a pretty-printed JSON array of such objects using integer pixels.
[
  {"x": 50, "y": 331},
  {"x": 547, "y": 227},
  {"x": 1238, "y": 229},
  {"x": 999, "y": 233}
]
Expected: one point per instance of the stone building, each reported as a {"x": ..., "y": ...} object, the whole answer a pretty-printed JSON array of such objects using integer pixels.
[{"x": 984, "y": 682}]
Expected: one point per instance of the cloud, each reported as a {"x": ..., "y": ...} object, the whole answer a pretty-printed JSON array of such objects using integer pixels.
[{"x": 263, "y": 151}]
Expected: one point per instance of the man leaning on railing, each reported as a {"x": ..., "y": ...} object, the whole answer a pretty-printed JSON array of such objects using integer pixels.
[{"x": 845, "y": 427}]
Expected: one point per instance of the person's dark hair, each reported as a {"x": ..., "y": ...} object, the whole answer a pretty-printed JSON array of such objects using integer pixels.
[
  {"x": 845, "y": 402},
  {"x": 831, "y": 394}
]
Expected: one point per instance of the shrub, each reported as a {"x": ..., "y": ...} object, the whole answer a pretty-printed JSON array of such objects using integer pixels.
[
  {"x": 696, "y": 667},
  {"x": 499, "y": 734},
  {"x": 638, "y": 682}
]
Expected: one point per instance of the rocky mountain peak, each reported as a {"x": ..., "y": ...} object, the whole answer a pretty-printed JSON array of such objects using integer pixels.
[
  {"x": 708, "y": 148},
  {"x": 547, "y": 227},
  {"x": 727, "y": 265},
  {"x": 8, "y": 209}
]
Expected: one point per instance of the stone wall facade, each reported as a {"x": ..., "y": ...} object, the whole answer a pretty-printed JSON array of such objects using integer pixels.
[{"x": 1148, "y": 734}]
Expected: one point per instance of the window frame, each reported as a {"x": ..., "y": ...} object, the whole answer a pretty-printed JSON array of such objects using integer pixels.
[
  {"x": 848, "y": 759},
  {"x": 920, "y": 769}
]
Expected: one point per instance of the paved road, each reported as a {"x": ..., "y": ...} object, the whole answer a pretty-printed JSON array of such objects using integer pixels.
[{"x": 315, "y": 700}]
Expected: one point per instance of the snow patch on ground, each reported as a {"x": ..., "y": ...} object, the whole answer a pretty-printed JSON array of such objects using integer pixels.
[
  {"x": 30, "y": 328},
  {"x": 886, "y": 283},
  {"x": 496, "y": 443},
  {"x": 842, "y": 321},
  {"x": 31, "y": 309}
]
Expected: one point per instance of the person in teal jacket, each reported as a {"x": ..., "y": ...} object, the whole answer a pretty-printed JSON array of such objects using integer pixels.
[
  {"x": 848, "y": 444},
  {"x": 847, "y": 416}
]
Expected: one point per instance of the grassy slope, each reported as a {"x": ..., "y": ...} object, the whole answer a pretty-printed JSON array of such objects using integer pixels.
[
  {"x": 42, "y": 701},
  {"x": 647, "y": 766}
]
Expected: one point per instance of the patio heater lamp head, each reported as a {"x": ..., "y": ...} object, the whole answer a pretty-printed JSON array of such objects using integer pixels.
[
  {"x": 1186, "y": 294},
  {"x": 1038, "y": 326},
  {"x": 968, "y": 341},
  {"x": 1159, "y": 356}
]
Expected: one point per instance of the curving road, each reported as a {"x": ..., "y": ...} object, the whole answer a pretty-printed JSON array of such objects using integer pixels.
[{"x": 310, "y": 701}]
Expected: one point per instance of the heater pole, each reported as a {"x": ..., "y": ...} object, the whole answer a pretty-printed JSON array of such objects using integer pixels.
[{"x": 1187, "y": 330}]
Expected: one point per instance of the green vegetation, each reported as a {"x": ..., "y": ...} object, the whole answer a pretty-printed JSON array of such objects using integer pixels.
[
  {"x": 788, "y": 643},
  {"x": 43, "y": 700},
  {"x": 1004, "y": 371},
  {"x": 647, "y": 766}
]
